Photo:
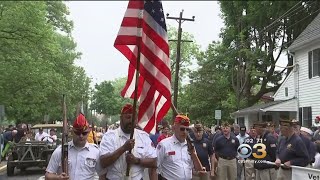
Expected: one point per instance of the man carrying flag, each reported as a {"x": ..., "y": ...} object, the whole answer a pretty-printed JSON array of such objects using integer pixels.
[{"x": 116, "y": 143}]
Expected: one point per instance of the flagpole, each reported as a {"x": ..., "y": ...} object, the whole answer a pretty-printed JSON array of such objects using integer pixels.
[{"x": 135, "y": 98}]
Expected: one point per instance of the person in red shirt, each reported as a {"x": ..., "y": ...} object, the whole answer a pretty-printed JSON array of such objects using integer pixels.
[{"x": 164, "y": 134}]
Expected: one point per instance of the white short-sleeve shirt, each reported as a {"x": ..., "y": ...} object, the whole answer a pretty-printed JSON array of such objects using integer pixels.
[
  {"x": 114, "y": 139},
  {"x": 174, "y": 161},
  {"x": 82, "y": 163}
]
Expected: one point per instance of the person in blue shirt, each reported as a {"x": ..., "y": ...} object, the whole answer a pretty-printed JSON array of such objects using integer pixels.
[{"x": 291, "y": 151}]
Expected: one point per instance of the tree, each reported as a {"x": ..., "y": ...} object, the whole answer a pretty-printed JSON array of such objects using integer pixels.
[
  {"x": 255, "y": 35},
  {"x": 37, "y": 57}
]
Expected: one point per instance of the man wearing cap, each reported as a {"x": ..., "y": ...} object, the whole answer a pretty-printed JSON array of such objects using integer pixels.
[
  {"x": 225, "y": 150},
  {"x": 204, "y": 151},
  {"x": 311, "y": 148},
  {"x": 176, "y": 155},
  {"x": 83, "y": 158},
  {"x": 291, "y": 151},
  {"x": 250, "y": 173},
  {"x": 116, "y": 143},
  {"x": 241, "y": 137},
  {"x": 266, "y": 149}
]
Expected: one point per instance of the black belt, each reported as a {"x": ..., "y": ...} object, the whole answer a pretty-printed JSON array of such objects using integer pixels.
[{"x": 227, "y": 157}]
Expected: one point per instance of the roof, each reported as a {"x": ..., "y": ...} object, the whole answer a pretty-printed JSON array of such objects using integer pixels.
[
  {"x": 310, "y": 33},
  {"x": 259, "y": 107}
]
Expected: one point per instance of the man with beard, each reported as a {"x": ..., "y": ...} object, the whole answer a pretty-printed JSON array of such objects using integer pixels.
[
  {"x": 83, "y": 158},
  {"x": 291, "y": 151},
  {"x": 176, "y": 156},
  {"x": 225, "y": 149},
  {"x": 116, "y": 143}
]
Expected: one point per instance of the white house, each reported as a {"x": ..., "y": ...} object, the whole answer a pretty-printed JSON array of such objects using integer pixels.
[{"x": 299, "y": 91}]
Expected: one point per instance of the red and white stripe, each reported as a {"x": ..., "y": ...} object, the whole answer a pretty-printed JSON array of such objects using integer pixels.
[{"x": 154, "y": 88}]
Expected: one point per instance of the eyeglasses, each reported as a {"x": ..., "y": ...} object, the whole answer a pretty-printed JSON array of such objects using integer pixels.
[
  {"x": 184, "y": 129},
  {"x": 79, "y": 133}
]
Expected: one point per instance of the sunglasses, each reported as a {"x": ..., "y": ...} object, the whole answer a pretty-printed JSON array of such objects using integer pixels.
[
  {"x": 184, "y": 129},
  {"x": 79, "y": 133}
]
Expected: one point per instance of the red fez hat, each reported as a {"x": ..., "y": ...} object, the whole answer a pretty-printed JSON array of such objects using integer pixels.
[
  {"x": 317, "y": 119},
  {"x": 182, "y": 120},
  {"x": 80, "y": 124},
  {"x": 127, "y": 109}
]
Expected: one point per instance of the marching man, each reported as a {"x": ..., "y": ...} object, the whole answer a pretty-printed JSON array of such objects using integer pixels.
[
  {"x": 83, "y": 158},
  {"x": 116, "y": 143}
]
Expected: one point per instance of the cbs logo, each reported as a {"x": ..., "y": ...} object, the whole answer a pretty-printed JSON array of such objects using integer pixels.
[{"x": 244, "y": 151}]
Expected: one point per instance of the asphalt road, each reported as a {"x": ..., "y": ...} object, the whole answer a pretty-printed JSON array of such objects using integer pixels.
[{"x": 29, "y": 174}]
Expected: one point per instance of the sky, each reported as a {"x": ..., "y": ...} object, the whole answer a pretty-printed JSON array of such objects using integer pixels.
[{"x": 96, "y": 24}]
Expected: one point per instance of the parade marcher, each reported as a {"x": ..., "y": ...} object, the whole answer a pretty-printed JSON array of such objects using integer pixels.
[
  {"x": 250, "y": 173},
  {"x": 8, "y": 138},
  {"x": 154, "y": 137},
  {"x": 176, "y": 157},
  {"x": 225, "y": 151},
  {"x": 311, "y": 148},
  {"x": 83, "y": 158},
  {"x": 270, "y": 128},
  {"x": 241, "y": 137},
  {"x": 116, "y": 143},
  {"x": 235, "y": 129},
  {"x": 164, "y": 133},
  {"x": 291, "y": 151},
  {"x": 306, "y": 132},
  {"x": 316, "y": 135},
  {"x": 316, "y": 163},
  {"x": 268, "y": 150},
  {"x": 92, "y": 137},
  {"x": 40, "y": 135},
  {"x": 204, "y": 151}
]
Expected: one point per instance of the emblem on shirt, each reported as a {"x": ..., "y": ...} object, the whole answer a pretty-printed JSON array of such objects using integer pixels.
[
  {"x": 90, "y": 162},
  {"x": 289, "y": 146},
  {"x": 233, "y": 141},
  {"x": 204, "y": 145}
]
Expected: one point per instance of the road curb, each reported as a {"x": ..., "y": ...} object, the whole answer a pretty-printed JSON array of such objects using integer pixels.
[{"x": 3, "y": 168}]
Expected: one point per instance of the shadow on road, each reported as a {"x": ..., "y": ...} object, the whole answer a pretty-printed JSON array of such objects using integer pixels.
[{"x": 28, "y": 174}]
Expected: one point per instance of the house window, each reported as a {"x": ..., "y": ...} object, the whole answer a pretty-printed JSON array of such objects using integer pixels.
[
  {"x": 240, "y": 121},
  {"x": 314, "y": 63},
  {"x": 305, "y": 116},
  {"x": 286, "y": 91}
]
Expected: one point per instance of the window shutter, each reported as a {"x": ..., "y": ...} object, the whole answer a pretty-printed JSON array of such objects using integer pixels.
[
  {"x": 309, "y": 117},
  {"x": 317, "y": 58},
  {"x": 300, "y": 116},
  {"x": 310, "y": 64}
]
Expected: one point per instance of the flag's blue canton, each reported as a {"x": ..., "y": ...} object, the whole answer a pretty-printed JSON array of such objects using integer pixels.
[{"x": 154, "y": 8}]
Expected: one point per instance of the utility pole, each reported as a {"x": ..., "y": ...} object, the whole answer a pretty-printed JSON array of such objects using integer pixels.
[{"x": 180, "y": 20}]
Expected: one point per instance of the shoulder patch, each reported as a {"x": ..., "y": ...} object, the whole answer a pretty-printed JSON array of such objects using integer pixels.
[
  {"x": 152, "y": 144},
  {"x": 159, "y": 146}
]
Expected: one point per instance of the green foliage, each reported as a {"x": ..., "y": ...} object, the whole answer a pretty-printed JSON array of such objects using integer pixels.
[
  {"x": 106, "y": 97},
  {"x": 37, "y": 61}
]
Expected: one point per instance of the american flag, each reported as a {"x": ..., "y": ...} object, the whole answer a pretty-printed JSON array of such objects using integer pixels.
[{"x": 144, "y": 26}]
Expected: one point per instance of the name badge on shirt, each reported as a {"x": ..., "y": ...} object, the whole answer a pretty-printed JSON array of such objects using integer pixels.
[
  {"x": 233, "y": 141},
  {"x": 90, "y": 162},
  {"x": 289, "y": 146},
  {"x": 204, "y": 145},
  {"x": 171, "y": 153}
]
